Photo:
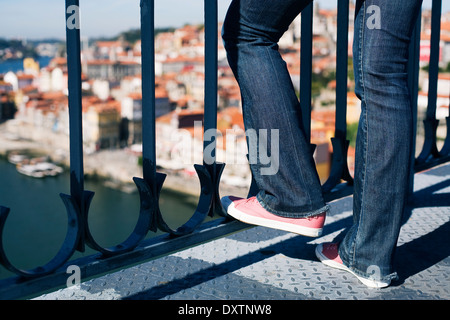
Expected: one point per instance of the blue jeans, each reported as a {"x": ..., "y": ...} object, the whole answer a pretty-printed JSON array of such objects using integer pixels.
[
  {"x": 250, "y": 33},
  {"x": 383, "y": 30},
  {"x": 383, "y": 145}
]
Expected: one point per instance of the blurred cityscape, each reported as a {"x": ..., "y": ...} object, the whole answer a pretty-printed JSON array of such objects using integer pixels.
[{"x": 34, "y": 105}]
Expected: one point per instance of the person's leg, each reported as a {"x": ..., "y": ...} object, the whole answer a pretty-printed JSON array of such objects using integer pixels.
[
  {"x": 383, "y": 31},
  {"x": 289, "y": 185}
]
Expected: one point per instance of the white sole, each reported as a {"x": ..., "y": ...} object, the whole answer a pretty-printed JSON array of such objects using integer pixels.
[
  {"x": 368, "y": 282},
  {"x": 289, "y": 227}
]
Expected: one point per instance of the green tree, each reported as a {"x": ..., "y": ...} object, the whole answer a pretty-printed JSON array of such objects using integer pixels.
[{"x": 352, "y": 130}]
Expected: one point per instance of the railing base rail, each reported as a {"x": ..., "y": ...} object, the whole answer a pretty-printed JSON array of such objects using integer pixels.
[{"x": 95, "y": 265}]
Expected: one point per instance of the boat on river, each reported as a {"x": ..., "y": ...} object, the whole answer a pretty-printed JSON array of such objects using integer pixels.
[
  {"x": 39, "y": 169},
  {"x": 16, "y": 158}
]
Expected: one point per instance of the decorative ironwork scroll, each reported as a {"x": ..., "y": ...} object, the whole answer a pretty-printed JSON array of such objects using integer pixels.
[
  {"x": 430, "y": 150},
  {"x": 339, "y": 165},
  {"x": 77, "y": 202},
  {"x": 150, "y": 217},
  {"x": 209, "y": 173}
]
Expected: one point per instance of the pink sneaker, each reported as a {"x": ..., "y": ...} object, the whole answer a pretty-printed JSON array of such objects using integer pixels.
[
  {"x": 328, "y": 254},
  {"x": 250, "y": 211}
]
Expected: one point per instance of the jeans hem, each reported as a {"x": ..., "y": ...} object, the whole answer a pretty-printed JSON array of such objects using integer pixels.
[
  {"x": 286, "y": 214},
  {"x": 366, "y": 275}
]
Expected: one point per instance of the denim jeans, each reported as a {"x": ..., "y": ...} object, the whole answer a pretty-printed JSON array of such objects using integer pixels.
[
  {"x": 251, "y": 31},
  {"x": 382, "y": 34},
  {"x": 383, "y": 146}
]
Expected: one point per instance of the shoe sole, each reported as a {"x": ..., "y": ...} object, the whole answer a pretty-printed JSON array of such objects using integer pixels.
[
  {"x": 331, "y": 263},
  {"x": 289, "y": 227}
]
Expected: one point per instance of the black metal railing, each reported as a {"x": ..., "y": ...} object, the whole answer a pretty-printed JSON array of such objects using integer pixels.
[{"x": 138, "y": 249}]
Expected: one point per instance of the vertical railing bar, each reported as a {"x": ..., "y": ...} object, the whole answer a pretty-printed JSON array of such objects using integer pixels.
[
  {"x": 433, "y": 73},
  {"x": 413, "y": 84},
  {"x": 445, "y": 151},
  {"x": 429, "y": 149},
  {"x": 342, "y": 69},
  {"x": 148, "y": 86},
  {"x": 339, "y": 166},
  {"x": 211, "y": 73},
  {"x": 75, "y": 106},
  {"x": 148, "y": 89},
  {"x": 306, "y": 67}
]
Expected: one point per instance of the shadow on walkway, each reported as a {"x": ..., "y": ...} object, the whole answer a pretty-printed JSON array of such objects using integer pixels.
[{"x": 411, "y": 258}]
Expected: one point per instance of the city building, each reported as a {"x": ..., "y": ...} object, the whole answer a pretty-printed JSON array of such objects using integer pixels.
[
  {"x": 112, "y": 93},
  {"x": 101, "y": 124}
]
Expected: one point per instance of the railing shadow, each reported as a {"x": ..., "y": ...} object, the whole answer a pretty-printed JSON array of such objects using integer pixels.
[
  {"x": 424, "y": 252},
  {"x": 412, "y": 257},
  {"x": 297, "y": 247},
  {"x": 209, "y": 172},
  {"x": 427, "y": 197}
]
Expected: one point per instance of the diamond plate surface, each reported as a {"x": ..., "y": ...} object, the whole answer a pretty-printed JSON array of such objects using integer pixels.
[{"x": 263, "y": 264}]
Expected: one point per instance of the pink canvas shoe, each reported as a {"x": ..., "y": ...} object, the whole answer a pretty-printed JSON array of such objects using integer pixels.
[
  {"x": 250, "y": 211},
  {"x": 328, "y": 254}
]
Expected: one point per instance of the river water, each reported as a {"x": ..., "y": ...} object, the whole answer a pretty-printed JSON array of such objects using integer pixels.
[
  {"x": 37, "y": 223},
  {"x": 17, "y": 65}
]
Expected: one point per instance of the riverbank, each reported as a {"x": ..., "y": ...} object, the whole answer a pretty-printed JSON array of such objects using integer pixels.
[{"x": 115, "y": 167}]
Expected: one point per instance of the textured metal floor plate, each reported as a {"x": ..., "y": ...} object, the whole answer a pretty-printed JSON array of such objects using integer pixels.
[{"x": 261, "y": 264}]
